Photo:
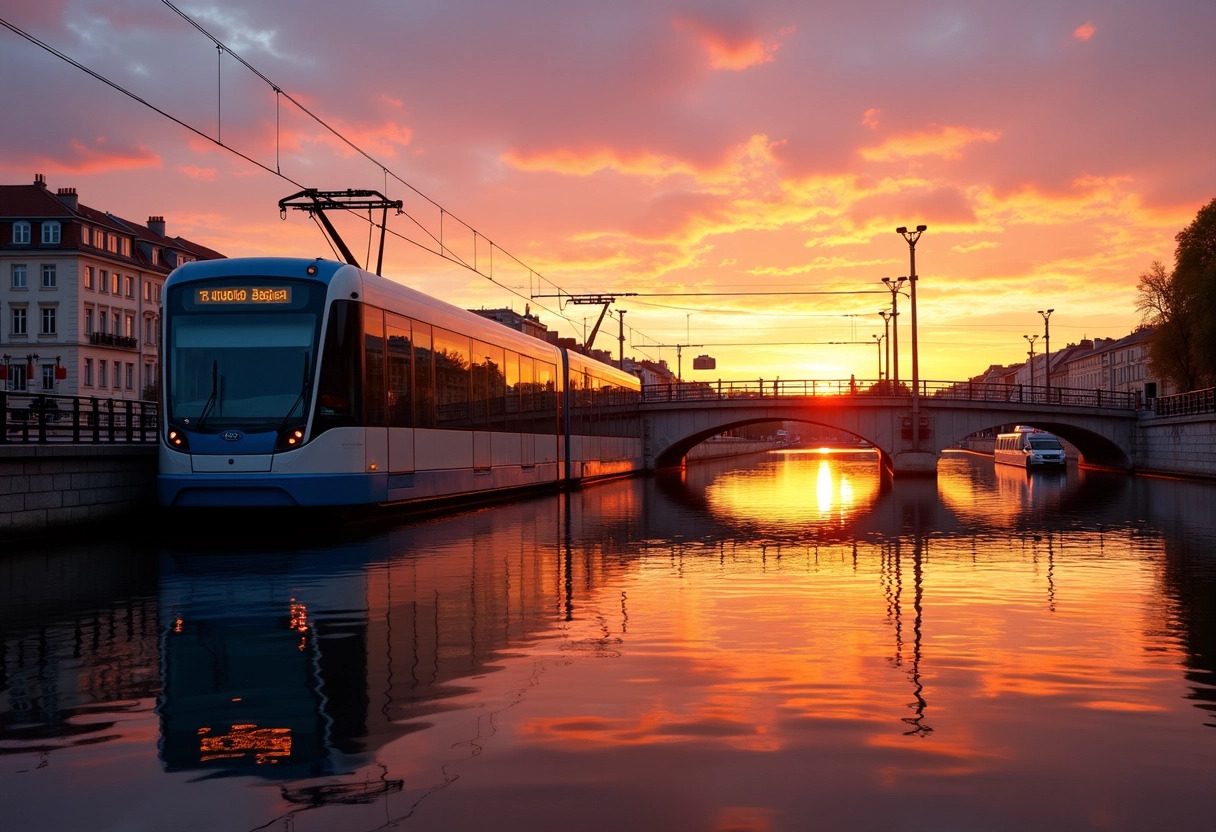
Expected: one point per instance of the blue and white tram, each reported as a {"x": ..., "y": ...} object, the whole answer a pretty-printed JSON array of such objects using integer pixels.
[{"x": 300, "y": 382}]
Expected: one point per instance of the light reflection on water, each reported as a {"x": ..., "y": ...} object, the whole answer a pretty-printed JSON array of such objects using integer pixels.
[{"x": 786, "y": 644}]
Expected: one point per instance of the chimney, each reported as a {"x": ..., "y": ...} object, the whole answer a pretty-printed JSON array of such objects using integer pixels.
[
  {"x": 157, "y": 225},
  {"x": 39, "y": 180},
  {"x": 68, "y": 197}
]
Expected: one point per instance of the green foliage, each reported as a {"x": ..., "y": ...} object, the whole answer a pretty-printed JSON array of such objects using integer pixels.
[{"x": 1181, "y": 306}]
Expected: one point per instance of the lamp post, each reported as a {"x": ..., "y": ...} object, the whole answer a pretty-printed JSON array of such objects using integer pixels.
[
  {"x": 1031, "y": 339},
  {"x": 886, "y": 333},
  {"x": 912, "y": 237},
  {"x": 878, "y": 341},
  {"x": 29, "y": 368},
  {"x": 894, "y": 286},
  {"x": 1046, "y": 313}
]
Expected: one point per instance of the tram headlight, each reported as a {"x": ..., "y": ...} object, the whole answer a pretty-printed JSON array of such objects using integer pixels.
[
  {"x": 177, "y": 440},
  {"x": 289, "y": 438}
]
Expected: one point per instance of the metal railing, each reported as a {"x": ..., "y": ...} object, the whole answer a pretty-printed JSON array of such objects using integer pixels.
[
  {"x": 1186, "y": 404},
  {"x": 698, "y": 391},
  {"x": 46, "y": 418}
]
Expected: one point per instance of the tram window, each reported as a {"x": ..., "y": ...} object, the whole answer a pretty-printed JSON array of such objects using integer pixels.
[
  {"x": 451, "y": 358},
  {"x": 526, "y": 393},
  {"x": 400, "y": 371},
  {"x": 424, "y": 383},
  {"x": 339, "y": 395},
  {"x": 373, "y": 365},
  {"x": 546, "y": 397},
  {"x": 510, "y": 372},
  {"x": 488, "y": 384}
]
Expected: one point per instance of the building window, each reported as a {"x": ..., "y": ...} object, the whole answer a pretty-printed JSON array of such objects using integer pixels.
[
  {"x": 126, "y": 247},
  {"x": 21, "y": 233},
  {"x": 129, "y": 286},
  {"x": 101, "y": 372},
  {"x": 148, "y": 331},
  {"x": 102, "y": 277},
  {"x": 48, "y": 376},
  {"x": 18, "y": 321},
  {"x": 117, "y": 322},
  {"x": 88, "y": 321},
  {"x": 130, "y": 376},
  {"x": 48, "y": 320},
  {"x": 129, "y": 326},
  {"x": 48, "y": 275},
  {"x": 88, "y": 372},
  {"x": 112, "y": 243},
  {"x": 18, "y": 272},
  {"x": 50, "y": 233},
  {"x": 116, "y": 284},
  {"x": 147, "y": 291},
  {"x": 103, "y": 317},
  {"x": 88, "y": 277},
  {"x": 117, "y": 374}
]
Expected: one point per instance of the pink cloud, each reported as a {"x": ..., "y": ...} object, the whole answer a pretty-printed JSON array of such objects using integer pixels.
[
  {"x": 97, "y": 157},
  {"x": 870, "y": 117},
  {"x": 728, "y": 49},
  {"x": 200, "y": 174},
  {"x": 1085, "y": 31}
]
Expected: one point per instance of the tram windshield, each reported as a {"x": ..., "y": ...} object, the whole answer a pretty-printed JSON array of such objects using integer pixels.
[{"x": 240, "y": 368}]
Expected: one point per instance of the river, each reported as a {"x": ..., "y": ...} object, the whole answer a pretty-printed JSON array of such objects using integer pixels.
[{"x": 782, "y": 643}]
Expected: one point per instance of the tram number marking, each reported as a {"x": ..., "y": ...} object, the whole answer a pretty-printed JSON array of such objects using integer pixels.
[{"x": 250, "y": 294}]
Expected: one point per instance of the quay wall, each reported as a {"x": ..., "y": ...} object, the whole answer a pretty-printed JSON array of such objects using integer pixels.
[
  {"x": 718, "y": 448},
  {"x": 52, "y": 487},
  {"x": 1177, "y": 446}
]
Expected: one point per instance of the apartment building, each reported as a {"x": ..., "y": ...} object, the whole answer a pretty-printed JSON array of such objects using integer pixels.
[{"x": 80, "y": 294}]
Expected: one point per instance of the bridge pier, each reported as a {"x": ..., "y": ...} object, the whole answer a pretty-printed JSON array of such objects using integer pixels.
[{"x": 914, "y": 463}]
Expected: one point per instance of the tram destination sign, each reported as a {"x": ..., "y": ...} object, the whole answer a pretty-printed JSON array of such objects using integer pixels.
[{"x": 242, "y": 294}]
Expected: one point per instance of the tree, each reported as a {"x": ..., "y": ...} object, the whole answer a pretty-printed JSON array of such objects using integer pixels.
[
  {"x": 1181, "y": 305},
  {"x": 1162, "y": 305},
  {"x": 1195, "y": 277}
]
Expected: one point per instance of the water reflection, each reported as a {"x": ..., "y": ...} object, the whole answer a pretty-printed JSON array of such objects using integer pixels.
[{"x": 646, "y": 654}]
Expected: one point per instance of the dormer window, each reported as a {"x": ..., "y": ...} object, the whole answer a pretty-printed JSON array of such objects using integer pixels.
[
  {"x": 50, "y": 233},
  {"x": 21, "y": 233}
]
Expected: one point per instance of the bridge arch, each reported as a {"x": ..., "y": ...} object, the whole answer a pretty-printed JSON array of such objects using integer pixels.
[
  {"x": 1105, "y": 436},
  {"x": 674, "y": 455}
]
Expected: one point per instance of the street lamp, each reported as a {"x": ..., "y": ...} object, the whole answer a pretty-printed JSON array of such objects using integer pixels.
[
  {"x": 878, "y": 341},
  {"x": 1031, "y": 339},
  {"x": 1046, "y": 313},
  {"x": 886, "y": 333},
  {"x": 894, "y": 285},
  {"x": 912, "y": 237}
]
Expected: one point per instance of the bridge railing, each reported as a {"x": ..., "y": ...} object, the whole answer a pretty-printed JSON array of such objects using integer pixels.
[
  {"x": 45, "y": 417},
  {"x": 1186, "y": 404},
  {"x": 699, "y": 391}
]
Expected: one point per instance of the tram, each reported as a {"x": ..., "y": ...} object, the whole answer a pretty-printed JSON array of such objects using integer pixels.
[{"x": 296, "y": 382}]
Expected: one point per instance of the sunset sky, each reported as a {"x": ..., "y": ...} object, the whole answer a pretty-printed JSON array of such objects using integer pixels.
[{"x": 713, "y": 157}]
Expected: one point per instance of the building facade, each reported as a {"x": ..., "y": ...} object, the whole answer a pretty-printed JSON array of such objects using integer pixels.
[{"x": 80, "y": 294}]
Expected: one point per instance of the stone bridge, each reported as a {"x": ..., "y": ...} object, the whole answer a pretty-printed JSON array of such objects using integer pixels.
[{"x": 908, "y": 432}]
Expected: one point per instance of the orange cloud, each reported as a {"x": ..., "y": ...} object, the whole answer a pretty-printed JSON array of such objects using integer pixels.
[
  {"x": 945, "y": 142},
  {"x": 1085, "y": 31},
  {"x": 96, "y": 158},
  {"x": 870, "y": 117},
  {"x": 728, "y": 50}
]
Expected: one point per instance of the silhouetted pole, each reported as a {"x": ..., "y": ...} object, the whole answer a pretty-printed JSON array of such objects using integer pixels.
[
  {"x": 886, "y": 321},
  {"x": 1031, "y": 339},
  {"x": 1046, "y": 313},
  {"x": 912, "y": 237},
  {"x": 894, "y": 286},
  {"x": 878, "y": 341}
]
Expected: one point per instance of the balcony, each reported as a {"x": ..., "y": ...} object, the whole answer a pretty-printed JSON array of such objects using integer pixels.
[{"x": 105, "y": 339}]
